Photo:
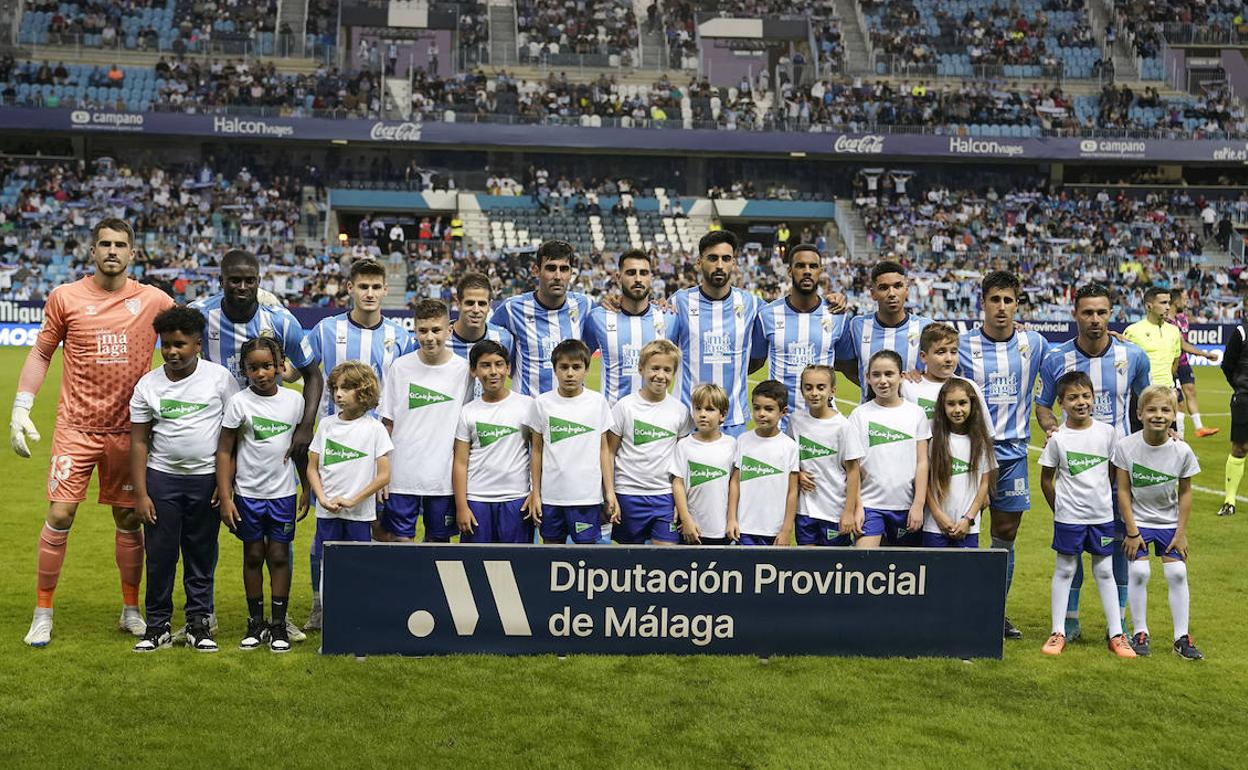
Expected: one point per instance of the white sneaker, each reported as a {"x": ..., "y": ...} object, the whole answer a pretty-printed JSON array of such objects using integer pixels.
[
  {"x": 179, "y": 636},
  {"x": 154, "y": 639},
  {"x": 40, "y": 632},
  {"x": 294, "y": 633},
  {"x": 131, "y": 622}
]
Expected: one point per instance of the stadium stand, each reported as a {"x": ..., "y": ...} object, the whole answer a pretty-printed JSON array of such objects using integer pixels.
[{"x": 597, "y": 33}]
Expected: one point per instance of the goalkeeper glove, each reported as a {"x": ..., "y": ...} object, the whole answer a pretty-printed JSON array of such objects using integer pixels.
[{"x": 21, "y": 429}]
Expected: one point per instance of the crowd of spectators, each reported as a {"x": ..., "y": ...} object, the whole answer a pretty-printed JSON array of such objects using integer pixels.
[
  {"x": 560, "y": 27},
  {"x": 109, "y": 19},
  {"x": 1142, "y": 21},
  {"x": 677, "y": 17},
  {"x": 191, "y": 86},
  {"x": 474, "y": 24}
]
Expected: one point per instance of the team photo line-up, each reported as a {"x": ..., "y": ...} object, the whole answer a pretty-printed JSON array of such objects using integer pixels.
[{"x": 482, "y": 428}]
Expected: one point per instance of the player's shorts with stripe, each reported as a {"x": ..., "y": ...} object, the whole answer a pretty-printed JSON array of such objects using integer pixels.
[
  {"x": 1074, "y": 539},
  {"x": 1185, "y": 376},
  {"x": 579, "y": 522},
  {"x": 1239, "y": 418},
  {"x": 646, "y": 517},
  {"x": 76, "y": 453},
  {"x": 939, "y": 540},
  {"x": 344, "y": 530},
  {"x": 1161, "y": 540},
  {"x": 1012, "y": 492},
  {"x": 812, "y": 531},
  {"x": 265, "y": 519},
  {"x": 501, "y": 522},
  {"x": 747, "y": 539},
  {"x": 891, "y": 525},
  {"x": 402, "y": 511}
]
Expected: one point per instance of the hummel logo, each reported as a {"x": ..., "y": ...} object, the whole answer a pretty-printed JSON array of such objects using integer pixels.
[
  {"x": 811, "y": 450},
  {"x": 753, "y": 469},
  {"x": 700, "y": 473},
  {"x": 1078, "y": 462},
  {"x": 1147, "y": 477},
  {"x": 172, "y": 410},
  {"x": 339, "y": 453},
  {"x": 264, "y": 429},
  {"x": 561, "y": 429},
  {"x": 882, "y": 434},
  {"x": 488, "y": 434},
  {"x": 418, "y": 396},
  {"x": 644, "y": 433},
  {"x": 957, "y": 466}
]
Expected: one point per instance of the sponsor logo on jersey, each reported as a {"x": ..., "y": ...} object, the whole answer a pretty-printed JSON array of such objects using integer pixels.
[
  {"x": 957, "y": 466},
  {"x": 1078, "y": 462},
  {"x": 265, "y": 429},
  {"x": 812, "y": 450},
  {"x": 1142, "y": 476},
  {"x": 581, "y": 526},
  {"x": 171, "y": 409},
  {"x": 488, "y": 434},
  {"x": 929, "y": 407},
  {"x": 111, "y": 347},
  {"x": 882, "y": 434},
  {"x": 339, "y": 453},
  {"x": 645, "y": 433},
  {"x": 700, "y": 473},
  {"x": 754, "y": 469},
  {"x": 1106, "y": 541},
  {"x": 418, "y": 396},
  {"x": 561, "y": 429}
]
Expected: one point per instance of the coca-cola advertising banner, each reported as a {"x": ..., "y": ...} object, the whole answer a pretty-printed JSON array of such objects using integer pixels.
[{"x": 862, "y": 147}]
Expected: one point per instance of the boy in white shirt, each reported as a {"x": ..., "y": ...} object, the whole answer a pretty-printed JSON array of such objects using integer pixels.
[
  {"x": 829, "y": 484},
  {"x": 491, "y": 472},
  {"x": 764, "y": 473},
  {"x": 424, "y": 392},
  {"x": 569, "y": 427},
  {"x": 938, "y": 351},
  {"x": 701, "y": 465},
  {"x": 646, "y": 425},
  {"x": 1155, "y": 496},
  {"x": 1075, "y": 479},
  {"x": 175, "y": 418}
]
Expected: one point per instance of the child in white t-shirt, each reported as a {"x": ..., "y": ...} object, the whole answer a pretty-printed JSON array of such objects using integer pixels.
[
  {"x": 569, "y": 428},
  {"x": 701, "y": 465},
  {"x": 1075, "y": 479},
  {"x": 938, "y": 352},
  {"x": 959, "y": 464},
  {"x": 1155, "y": 496},
  {"x": 762, "y": 491},
  {"x": 894, "y": 434},
  {"x": 492, "y": 474},
  {"x": 829, "y": 453}
]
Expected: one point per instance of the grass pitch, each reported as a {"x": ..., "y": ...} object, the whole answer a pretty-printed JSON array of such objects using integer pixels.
[{"x": 87, "y": 701}]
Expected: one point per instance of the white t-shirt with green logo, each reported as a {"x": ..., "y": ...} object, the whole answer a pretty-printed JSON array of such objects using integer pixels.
[
  {"x": 705, "y": 467},
  {"x": 648, "y": 433},
  {"x": 962, "y": 484},
  {"x": 1155, "y": 473},
  {"x": 498, "y": 458},
  {"x": 185, "y": 417},
  {"x": 925, "y": 393},
  {"x": 889, "y": 435},
  {"x": 265, "y": 426},
  {"x": 824, "y": 446},
  {"x": 348, "y": 452},
  {"x": 571, "y": 431},
  {"x": 764, "y": 466},
  {"x": 423, "y": 402},
  {"x": 1082, "y": 459}
]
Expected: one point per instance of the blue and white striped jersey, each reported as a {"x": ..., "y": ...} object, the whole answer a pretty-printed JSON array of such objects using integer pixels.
[
  {"x": 621, "y": 336},
  {"x": 715, "y": 338},
  {"x": 1006, "y": 374},
  {"x": 794, "y": 340},
  {"x": 223, "y": 338},
  {"x": 1120, "y": 372},
  {"x": 337, "y": 338},
  {"x": 537, "y": 329},
  {"x": 867, "y": 336},
  {"x": 462, "y": 347}
]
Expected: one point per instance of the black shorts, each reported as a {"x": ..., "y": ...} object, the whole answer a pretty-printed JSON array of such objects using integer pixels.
[
  {"x": 1185, "y": 376},
  {"x": 1239, "y": 418}
]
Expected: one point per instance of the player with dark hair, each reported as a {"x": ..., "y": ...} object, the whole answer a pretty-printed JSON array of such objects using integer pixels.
[
  {"x": 892, "y": 327},
  {"x": 621, "y": 333}
]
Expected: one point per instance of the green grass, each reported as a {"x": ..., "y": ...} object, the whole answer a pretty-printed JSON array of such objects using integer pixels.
[{"x": 87, "y": 701}]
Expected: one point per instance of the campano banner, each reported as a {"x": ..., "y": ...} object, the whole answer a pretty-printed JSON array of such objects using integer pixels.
[{"x": 439, "y": 599}]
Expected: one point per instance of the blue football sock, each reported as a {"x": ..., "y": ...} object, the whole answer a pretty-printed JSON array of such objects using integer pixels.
[
  {"x": 315, "y": 562},
  {"x": 1008, "y": 545},
  {"x": 1072, "y": 604},
  {"x": 1122, "y": 572}
]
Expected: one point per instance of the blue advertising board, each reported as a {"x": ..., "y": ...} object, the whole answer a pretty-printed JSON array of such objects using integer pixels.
[{"x": 441, "y": 599}]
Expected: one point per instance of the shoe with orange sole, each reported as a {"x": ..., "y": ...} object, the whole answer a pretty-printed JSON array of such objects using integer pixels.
[
  {"x": 1121, "y": 647},
  {"x": 1205, "y": 432},
  {"x": 1055, "y": 644}
]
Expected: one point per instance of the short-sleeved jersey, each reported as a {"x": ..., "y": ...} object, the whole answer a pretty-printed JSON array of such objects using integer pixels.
[
  {"x": 1006, "y": 374},
  {"x": 265, "y": 426},
  {"x": 621, "y": 336},
  {"x": 347, "y": 452},
  {"x": 571, "y": 431},
  {"x": 537, "y": 329},
  {"x": 108, "y": 340},
  {"x": 1117, "y": 374},
  {"x": 715, "y": 338},
  {"x": 866, "y": 336},
  {"x": 224, "y": 339},
  {"x": 1162, "y": 343},
  {"x": 497, "y": 434},
  {"x": 963, "y": 485},
  {"x": 705, "y": 467},
  {"x": 337, "y": 339},
  {"x": 423, "y": 403},
  {"x": 462, "y": 347},
  {"x": 890, "y": 436},
  {"x": 648, "y": 434},
  {"x": 185, "y": 417},
  {"x": 1155, "y": 473},
  {"x": 794, "y": 339},
  {"x": 765, "y": 466},
  {"x": 824, "y": 446},
  {"x": 1082, "y": 486}
]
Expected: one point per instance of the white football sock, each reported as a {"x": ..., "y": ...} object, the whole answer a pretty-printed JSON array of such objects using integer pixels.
[
  {"x": 1180, "y": 598},
  {"x": 1063, "y": 575},
  {"x": 1103, "y": 573},
  {"x": 1196, "y": 421},
  {"x": 1137, "y": 595}
]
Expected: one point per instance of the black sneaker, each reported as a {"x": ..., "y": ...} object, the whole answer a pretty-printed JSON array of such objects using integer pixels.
[
  {"x": 1140, "y": 643},
  {"x": 279, "y": 638},
  {"x": 1184, "y": 648},
  {"x": 199, "y": 635},
  {"x": 157, "y": 638},
  {"x": 1011, "y": 632},
  {"x": 1227, "y": 509},
  {"x": 257, "y": 634}
]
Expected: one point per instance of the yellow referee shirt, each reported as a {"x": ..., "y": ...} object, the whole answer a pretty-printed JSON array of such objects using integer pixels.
[{"x": 1161, "y": 343}]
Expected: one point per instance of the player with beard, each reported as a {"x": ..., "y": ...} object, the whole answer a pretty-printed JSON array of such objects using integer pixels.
[
  {"x": 621, "y": 333},
  {"x": 891, "y": 327}
]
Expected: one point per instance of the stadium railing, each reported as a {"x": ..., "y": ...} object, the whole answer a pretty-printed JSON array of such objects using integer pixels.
[
  {"x": 73, "y": 46},
  {"x": 901, "y": 67},
  {"x": 1175, "y": 33}
]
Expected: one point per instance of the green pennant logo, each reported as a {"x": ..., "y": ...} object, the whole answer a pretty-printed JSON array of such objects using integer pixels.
[
  {"x": 753, "y": 469},
  {"x": 582, "y": 526},
  {"x": 882, "y": 434},
  {"x": 171, "y": 409},
  {"x": 929, "y": 407},
  {"x": 812, "y": 450},
  {"x": 700, "y": 473},
  {"x": 645, "y": 433},
  {"x": 339, "y": 453},
  {"x": 561, "y": 429},
  {"x": 418, "y": 396},
  {"x": 957, "y": 466},
  {"x": 1147, "y": 477},
  {"x": 488, "y": 434},
  {"x": 1078, "y": 462},
  {"x": 264, "y": 429}
]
